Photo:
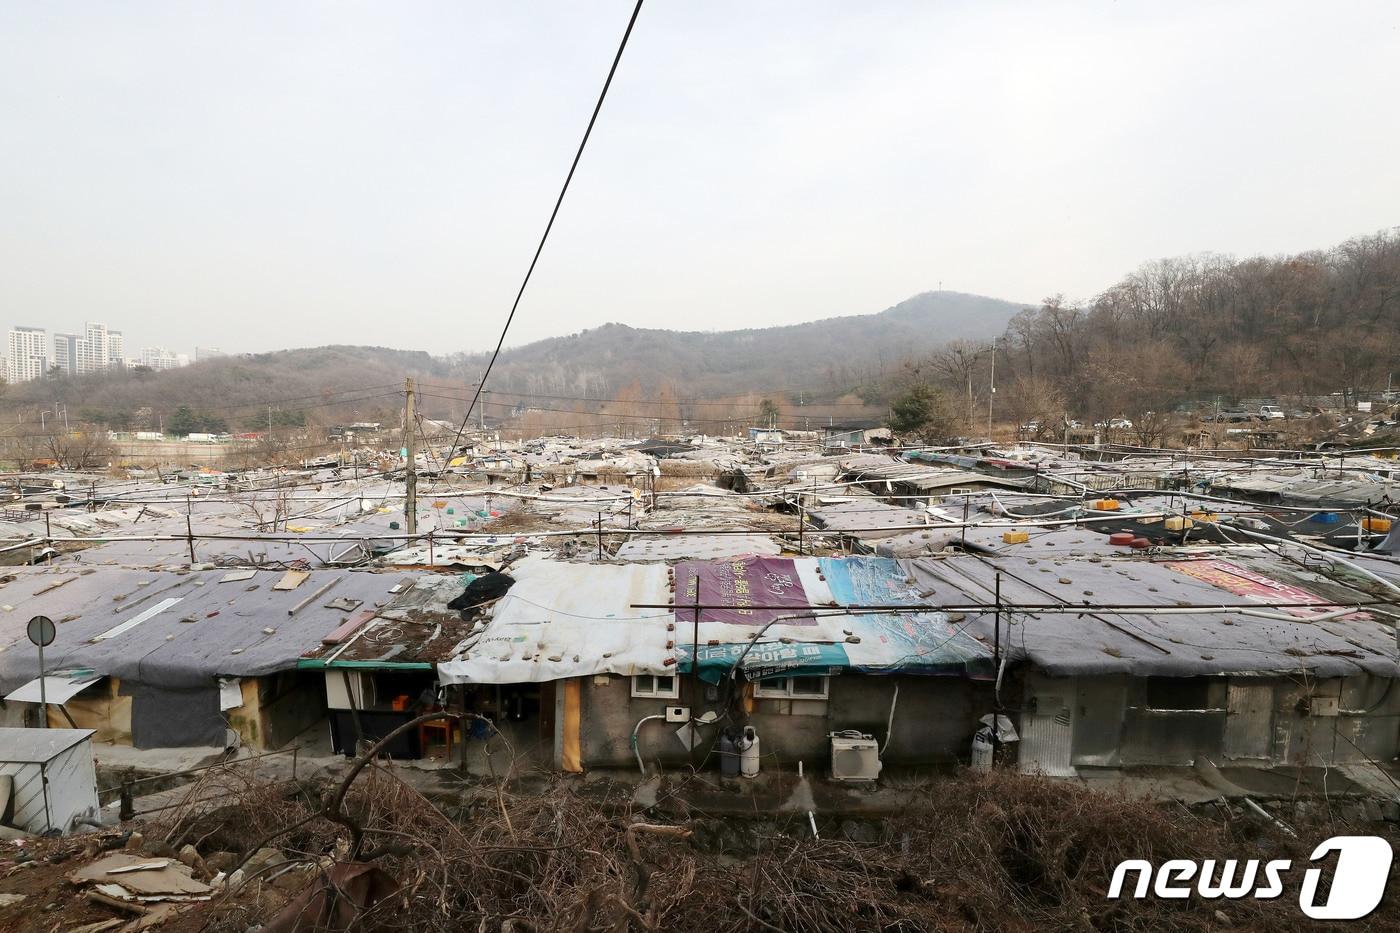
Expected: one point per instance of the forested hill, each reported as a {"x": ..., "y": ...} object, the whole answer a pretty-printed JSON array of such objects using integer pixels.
[
  {"x": 831, "y": 355},
  {"x": 358, "y": 383},
  {"x": 1175, "y": 332},
  {"x": 1202, "y": 327}
]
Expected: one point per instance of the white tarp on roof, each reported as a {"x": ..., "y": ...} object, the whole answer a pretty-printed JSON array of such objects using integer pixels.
[
  {"x": 57, "y": 689},
  {"x": 568, "y": 620}
]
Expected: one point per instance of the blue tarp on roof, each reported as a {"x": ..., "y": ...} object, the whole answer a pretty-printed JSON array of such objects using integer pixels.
[{"x": 910, "y": 643}]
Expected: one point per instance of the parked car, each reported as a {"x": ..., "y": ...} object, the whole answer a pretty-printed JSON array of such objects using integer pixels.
[
  {"x": 1117, "y": 424},
  {"x": 1270, "y": 412}
]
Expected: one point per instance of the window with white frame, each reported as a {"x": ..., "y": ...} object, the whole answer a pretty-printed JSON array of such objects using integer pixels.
[
  {"x": 791, "y": 688},
  {"x": 659, "y": 686}
]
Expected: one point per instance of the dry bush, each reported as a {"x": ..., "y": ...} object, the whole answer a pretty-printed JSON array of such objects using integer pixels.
[{"x": 977, "y": 852}]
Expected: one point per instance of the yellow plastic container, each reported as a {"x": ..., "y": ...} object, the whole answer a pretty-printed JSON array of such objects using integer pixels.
[
  {"x": 1376, "y": 525},
  {"x": 1107, "y": 505},
  {"x": 1015, "y": 537},
  {"x": 1177, "y": 523}
]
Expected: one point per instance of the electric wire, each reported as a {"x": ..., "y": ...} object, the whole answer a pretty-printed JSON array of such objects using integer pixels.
[{"x": 588, "y": 131}]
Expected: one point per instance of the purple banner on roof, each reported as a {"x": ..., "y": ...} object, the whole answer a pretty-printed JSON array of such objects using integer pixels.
[{"x": 738, "y": 584}]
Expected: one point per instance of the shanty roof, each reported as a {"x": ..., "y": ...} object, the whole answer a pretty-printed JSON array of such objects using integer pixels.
[
  {"x": 692, "y": 546},
  {"x": 564, "y": 620},
  {"x": 926, "y": 479},
  {"x": 568, "y": 620},
  {"x": 866, "y": 519},
  {"x": 1309, "y": 488},
  {"x": 1180, "y": 640},
  {"x": 179, "y": 629},
  {"x": 416, "y": 629}
]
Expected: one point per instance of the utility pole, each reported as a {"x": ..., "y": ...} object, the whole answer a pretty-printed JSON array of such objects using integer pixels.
[
  {"x": 410, "y": 444},
  {"x": 991, "y": 395}
]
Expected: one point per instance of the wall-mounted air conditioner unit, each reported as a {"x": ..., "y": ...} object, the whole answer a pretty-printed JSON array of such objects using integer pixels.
[{"x": 854, "y": 758}]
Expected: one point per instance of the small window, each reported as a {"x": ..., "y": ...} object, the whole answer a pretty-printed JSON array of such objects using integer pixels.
[
  {"x": 1178, "y": 693},
  {"x": 791, "y": 688},
  {"x": 660, "y": 686}
]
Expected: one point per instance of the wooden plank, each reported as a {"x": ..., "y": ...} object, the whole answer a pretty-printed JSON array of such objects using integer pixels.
[
  {"x": 292, "y": 579},
  {"x": 348, "y": 628},
  {"x": 99, "y": 926},
  {"x": 130, "y": 906}
]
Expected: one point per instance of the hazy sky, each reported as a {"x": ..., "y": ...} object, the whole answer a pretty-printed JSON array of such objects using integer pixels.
[{"x": 257, "y": 175}]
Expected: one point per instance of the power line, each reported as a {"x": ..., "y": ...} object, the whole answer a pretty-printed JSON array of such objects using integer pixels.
[{"x": 549, "y": 226}]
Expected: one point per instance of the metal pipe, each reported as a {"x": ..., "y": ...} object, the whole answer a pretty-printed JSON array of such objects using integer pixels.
[
  {"x": 1326, "y": 552},
  {"x": 636, "y": 749},
  {"x": 889, "y": 728}
]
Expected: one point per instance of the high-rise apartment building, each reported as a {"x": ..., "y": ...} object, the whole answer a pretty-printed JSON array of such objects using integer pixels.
[
  {"x": 207, "y": 353},
  {"x": 116, "y": 349},
  {"x": 160, "y": 358},
  {"x": 28, "y": 356},
  {"x": 65, "y": 353},
  {"x": 94, "y": 349}
]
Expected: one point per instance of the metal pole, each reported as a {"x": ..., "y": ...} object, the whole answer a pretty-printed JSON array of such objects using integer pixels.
[
  {"x": 695, "y": 654},
  {"x": 801, "y": 526},
  {"x": 600, "y": 535},
  {"x": 996, "y": 671},
  {"x": 411, "y": 455},
  {"x": 992, "y": 394},
  {"x": 43, "y": 697}
]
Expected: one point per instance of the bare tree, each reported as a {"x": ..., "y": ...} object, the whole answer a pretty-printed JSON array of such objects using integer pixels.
[
  {"x": 86, "y": 447},
  {"x": 958, "y": 364}
]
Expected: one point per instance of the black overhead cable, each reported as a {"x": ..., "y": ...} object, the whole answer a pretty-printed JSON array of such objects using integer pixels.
[{"x": 548, "y": 227}]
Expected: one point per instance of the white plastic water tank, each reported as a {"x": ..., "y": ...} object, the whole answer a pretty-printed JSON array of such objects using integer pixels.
[{"x": 747, "y": 745}]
